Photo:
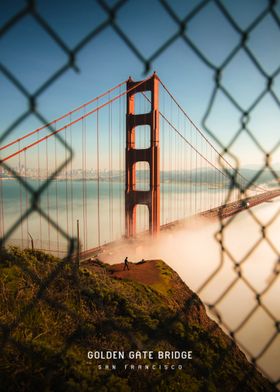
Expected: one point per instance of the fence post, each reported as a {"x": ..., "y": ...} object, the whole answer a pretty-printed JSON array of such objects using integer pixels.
[
  {"x": 32, "y": 241},
  {"x": 78, "y": 244}
]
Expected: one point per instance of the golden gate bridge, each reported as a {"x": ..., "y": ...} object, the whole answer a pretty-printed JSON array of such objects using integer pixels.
[{"x": 128, "y": 161}]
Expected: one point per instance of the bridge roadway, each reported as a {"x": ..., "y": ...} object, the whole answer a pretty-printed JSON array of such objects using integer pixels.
[{"x": 220, "y": 212}]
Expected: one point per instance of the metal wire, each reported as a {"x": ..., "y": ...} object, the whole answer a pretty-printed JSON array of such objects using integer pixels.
[{"x": 111, "y": 21}]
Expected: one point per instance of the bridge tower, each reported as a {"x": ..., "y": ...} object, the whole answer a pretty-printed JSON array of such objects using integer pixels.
[{"x": 151, "y": 197}]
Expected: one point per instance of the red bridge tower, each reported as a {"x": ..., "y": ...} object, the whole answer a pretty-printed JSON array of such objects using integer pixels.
[{"x": 133, "y": 197}]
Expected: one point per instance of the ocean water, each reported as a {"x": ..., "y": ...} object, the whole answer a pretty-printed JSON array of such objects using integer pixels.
[{"x": 99, "y": 208}]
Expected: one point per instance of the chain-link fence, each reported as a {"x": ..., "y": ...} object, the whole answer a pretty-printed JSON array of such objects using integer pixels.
[{"x": 69, "y": 45}]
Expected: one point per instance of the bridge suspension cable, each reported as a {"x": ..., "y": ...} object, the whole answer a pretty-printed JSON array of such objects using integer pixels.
[
  {"x": 55, "y": 121},
  {"x": 222, "y": 158},
  {"x": 74, "y": 167}
]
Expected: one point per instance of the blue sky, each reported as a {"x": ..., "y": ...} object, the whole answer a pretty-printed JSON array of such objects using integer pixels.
[{"x": 32, "y": 57}]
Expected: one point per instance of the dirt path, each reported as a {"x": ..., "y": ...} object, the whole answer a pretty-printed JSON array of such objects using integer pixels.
[{"x": 146, "y": 273}]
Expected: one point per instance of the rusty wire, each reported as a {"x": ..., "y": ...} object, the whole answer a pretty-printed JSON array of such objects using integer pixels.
[{"x": 182, "y": 22}]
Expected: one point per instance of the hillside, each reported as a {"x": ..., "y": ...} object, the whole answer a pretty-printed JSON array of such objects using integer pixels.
[{"x": 52, "y": 315}]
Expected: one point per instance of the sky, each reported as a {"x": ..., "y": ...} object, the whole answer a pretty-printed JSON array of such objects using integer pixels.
[{"x": 32, "y": 57}]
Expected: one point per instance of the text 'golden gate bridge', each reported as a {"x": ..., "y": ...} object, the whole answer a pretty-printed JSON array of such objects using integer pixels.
[{"x": 128, "y": 161}]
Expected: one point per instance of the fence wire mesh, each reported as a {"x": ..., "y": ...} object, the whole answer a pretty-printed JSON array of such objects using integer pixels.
[{"x": 270, "y": 12}]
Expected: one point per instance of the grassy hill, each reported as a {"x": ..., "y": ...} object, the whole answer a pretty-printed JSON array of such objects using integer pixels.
[{"x": 52, "y": 314}]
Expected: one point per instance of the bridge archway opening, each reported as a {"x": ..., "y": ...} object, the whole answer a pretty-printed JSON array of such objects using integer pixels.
[
  {"x": 142, "y": 218},
  {"x": 142, "y": 170},
  {"x": 142, "y": 137},
  {"x": 142, "y": 102}
]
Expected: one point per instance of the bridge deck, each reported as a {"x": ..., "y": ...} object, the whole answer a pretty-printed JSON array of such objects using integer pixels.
[
  {"x": 230, "y": 209},
  {"x": 221, "y": 212}
]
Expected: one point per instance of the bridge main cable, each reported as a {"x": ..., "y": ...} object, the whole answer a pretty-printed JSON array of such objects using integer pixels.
[
  {"x": 205, "y": 138},
  {"x": 62, "y": 117},
  {"x": 70, "y": 124}
]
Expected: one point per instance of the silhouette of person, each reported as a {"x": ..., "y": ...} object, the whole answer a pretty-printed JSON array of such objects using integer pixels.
[{"x": 126, "y": 264}]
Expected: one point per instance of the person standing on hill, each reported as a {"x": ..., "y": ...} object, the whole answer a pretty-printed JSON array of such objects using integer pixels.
[{"x": 126, "y": 264}]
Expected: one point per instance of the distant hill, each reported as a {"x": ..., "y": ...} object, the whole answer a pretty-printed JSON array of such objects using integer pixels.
[
  {"x": 101, "y": 307},
  {"x": 276, "y": 166},
  {"x": 263, "y": 177},
  {"x": 212, "y": 176}
]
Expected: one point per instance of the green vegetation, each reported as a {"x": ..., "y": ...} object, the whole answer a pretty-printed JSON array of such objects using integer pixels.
[{"x": 52, "y": 315}]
